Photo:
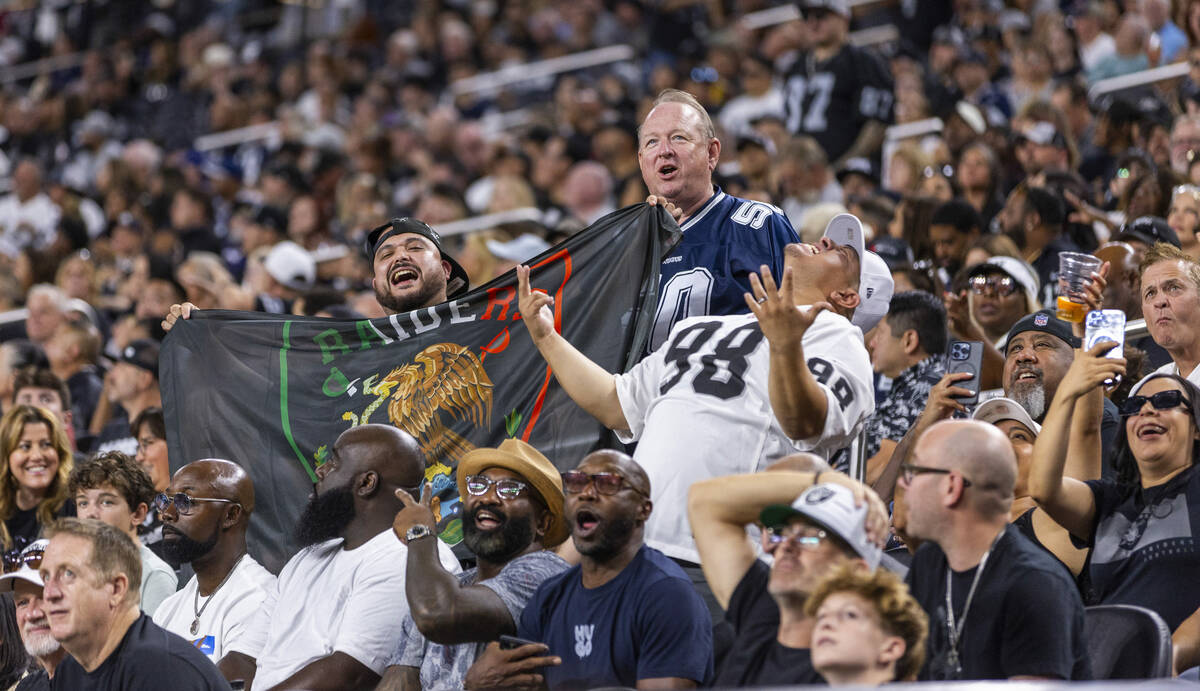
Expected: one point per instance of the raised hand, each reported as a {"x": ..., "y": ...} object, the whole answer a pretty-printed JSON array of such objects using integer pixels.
[
  {"x": 177, "y": 312},
  {"x": 943, "y": 401},
  {"x": 1093, "y": 296},
  {"x": 414, "y": 512},
  {"x": 781, "y": 321},
  {"x": 675, "y": 211},
  {"x": 536, "y": 307},
  {"x": 1091, "y": 369}
]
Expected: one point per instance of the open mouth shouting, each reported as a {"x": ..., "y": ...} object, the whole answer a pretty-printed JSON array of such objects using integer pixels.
[
  {"x": 403, "y": 275},
  {"x": 586, "y": 523},
  {"x": 667, "y": 171},
  {"x": 487, "y": 520}
]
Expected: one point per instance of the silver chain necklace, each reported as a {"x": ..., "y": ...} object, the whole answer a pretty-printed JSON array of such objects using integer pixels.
[
  {"x": 197, "y": 608},
  {"x": 954, "y": 629}
]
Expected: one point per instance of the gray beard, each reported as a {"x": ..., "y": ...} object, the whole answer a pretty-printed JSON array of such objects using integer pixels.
[
  {"x": 1032, "y": 399},
  {"x": 41, "y": 645}
]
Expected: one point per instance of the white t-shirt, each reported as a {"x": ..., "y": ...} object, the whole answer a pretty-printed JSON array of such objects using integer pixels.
[
  {"x": 699, "y": 408},
  {"x": 328, "y": 600},
  {"x": 27, "y": 224},
  {"x": 1172, "y": 368},
  {"x": 226, "y": 613}
]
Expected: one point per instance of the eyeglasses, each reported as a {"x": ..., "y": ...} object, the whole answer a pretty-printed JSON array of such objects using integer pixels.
[
  {"x": 908, "y": 471},
  {"x": 800, "y": 536},
  {"x": 575, "y": 481},
  {"x": 477, "y": 485},
  {"x": 1163, "y": 400},
  {"x": 184, "y": 503},
  {"x": 31, "y": 556},
  {"x": 1002, "y": 286}
]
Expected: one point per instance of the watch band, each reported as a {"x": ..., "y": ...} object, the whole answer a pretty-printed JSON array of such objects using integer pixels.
[{"x": 416, "y": 532}]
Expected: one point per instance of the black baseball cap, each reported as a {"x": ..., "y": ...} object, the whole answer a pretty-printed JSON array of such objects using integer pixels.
[
  {"x": 457, "y": 284},
  {"x": 271, "y": 217},
  {"x": 894, "y": 252},
  {"x": 1148, "y": 230},
  {"x": 1046, "y": 322},
  {"x": 142, "y": 353}
]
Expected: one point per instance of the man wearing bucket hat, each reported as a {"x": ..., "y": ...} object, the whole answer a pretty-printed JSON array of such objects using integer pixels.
[
  {"x": 25, "y": 585},
  {"x": 785, "y": 378},
  {"x": 814, "y": 521},
  {"x": 975, "y": 568},
  {"x": 512, "y": 516},
  {"x": 411, "y": 270}
]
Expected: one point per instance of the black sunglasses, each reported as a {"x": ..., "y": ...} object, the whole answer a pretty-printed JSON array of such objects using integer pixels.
[
  {"x": 32, "y": 556},
  {"x": 1163, "y": 400}
]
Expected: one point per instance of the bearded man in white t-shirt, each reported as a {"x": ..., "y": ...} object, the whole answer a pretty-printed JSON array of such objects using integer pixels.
[
  {"x": 205, "y": 513},
  {"x": 731, "y": 394},
  {"x": 338, "y": 608}
]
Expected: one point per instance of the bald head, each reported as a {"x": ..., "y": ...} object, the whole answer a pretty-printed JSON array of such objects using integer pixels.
[
  {"x": 608, "y": 459},
  {"x": 224, "y": 480},
  {"x": 1124, "y": 281},
  {"x": 388, "y": 451},
  {"x": 990, "y": 465}
]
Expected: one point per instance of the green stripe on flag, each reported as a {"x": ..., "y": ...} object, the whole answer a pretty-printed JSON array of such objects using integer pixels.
[{"x": 283, "y": 400}]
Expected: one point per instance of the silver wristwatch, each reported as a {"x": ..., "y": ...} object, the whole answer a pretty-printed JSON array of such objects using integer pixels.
[{"x": 417, "y": 531}]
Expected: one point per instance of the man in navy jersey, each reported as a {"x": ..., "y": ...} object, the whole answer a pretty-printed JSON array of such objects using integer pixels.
[
  {"x": 725, "y": 239},
  {"x": 837, "y": 93}
]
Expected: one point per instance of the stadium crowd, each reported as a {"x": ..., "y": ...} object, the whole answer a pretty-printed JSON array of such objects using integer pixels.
[{"x": 869, "y": 192}]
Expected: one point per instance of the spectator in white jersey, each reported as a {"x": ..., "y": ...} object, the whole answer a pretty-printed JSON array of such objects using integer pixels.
[
  {"x": 731, "y": 394},
  {"x": 205, "y": 512}
]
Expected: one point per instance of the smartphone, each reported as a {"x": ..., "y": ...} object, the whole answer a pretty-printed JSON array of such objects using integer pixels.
[
  {"x": 510, "y": 642},
  {"x": 966, "y": 356},
  {"x": 1105, "y": 325}
]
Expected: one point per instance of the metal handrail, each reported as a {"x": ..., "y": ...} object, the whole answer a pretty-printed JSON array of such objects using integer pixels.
[
  {"x": 1135, "y": 79},
  {"x": 514, "y": 74}
]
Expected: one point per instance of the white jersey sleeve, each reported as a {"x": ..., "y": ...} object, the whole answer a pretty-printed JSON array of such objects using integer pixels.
[
  {"x": 637, "y": 390},
  {"x": 838, "y": 359}
]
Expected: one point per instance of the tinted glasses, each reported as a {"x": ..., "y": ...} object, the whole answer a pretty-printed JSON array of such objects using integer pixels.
[
  {"x": 1163, "y": 400},
  {"x": 1002, "y": 286},
  {"x": 31, "y": 556},
  {"x": 477, "y": 485},
  {"x": 184, "y": 503},
  {"x": 803, "y": 537},
  {"x": 575, "y": 482}
]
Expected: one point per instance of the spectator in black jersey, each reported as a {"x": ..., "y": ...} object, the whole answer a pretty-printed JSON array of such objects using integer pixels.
[
  {"x": 837, "y": 93},
  {"x": 90, "y": 570},
  {"x": 1142, "y": 525},
  {"x": 868, "y": 630},
  {"x": 1001, "y": 607},
  {"x": 833, "y": 520},
  {"x": 1014, "y": 422}
]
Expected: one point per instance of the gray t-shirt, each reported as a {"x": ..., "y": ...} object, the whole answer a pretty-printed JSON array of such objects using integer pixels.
[
  {"x": 158, "y": 580},
  {"x": 445, "y": 666}
]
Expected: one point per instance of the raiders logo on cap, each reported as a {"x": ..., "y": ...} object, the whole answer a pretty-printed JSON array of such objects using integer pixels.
[
  {"x": 818, "y": 495},
  {"x": 1041, "y": 320}
]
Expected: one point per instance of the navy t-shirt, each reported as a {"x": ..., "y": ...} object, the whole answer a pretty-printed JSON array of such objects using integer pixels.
[
  {"x": 708, "y": 272},
  {"x": 149, "y": 658},
  {"x": 647, "y": 623},
  {"x": 1026, "y": 618},
  {"x": 757, "y": 658},
  {"x": 1144, "y": 547}
]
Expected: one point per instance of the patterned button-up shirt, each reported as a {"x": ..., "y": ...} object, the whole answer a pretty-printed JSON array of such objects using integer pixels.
[{"x": 899, "y": 411}]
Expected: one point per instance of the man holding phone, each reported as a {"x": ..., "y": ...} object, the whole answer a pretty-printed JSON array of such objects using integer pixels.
[{"x": 512, "y": 517}]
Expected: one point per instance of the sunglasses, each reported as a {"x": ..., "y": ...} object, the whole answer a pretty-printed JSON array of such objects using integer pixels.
[
  {"x": 31, "y": 557},
  {"x": 1002, "y": 286},
  {"x": 1163, "y": 400},
  {"x": 575, "y": 481},
  {"x": 184, "y": 503},
  {"x": 908, "y": 471},
  {"x": 805, "y": 538},
  {"x": 477, "y": 485}
]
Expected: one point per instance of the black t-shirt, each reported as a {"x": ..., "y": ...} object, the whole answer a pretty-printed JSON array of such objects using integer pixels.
[
  {"x": 757, "y": 657},
  {"x": 24, "y": 528},
  {"x": 149, "y": 658},
  {"x": 1046, "y": 266},
  {"x": 36, "y": 680},
  {"x": 1144, "y": 546},
  {"x": 1110, "y": 424},
  {"x": 1026, "y": 617},
  {"x": 831, "y": 101}
]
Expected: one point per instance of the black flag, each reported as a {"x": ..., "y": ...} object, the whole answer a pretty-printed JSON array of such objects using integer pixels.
[{"x": 272, "y": 393}]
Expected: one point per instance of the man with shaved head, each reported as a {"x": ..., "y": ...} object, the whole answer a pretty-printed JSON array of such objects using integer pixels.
[
  {"x": 334, "y": 616},
  {"x": 205, "y": 513},
  {"x": 999, "y": 606},
  {"x": 625, "y": 616}
]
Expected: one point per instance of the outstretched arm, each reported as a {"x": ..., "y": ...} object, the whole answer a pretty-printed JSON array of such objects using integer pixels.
[
  {"x": 797, "y": 399},
  {"x": 587, "y": 383}
]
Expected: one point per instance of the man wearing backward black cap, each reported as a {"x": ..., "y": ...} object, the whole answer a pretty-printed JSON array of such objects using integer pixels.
[{"x": 411, "y": 270}]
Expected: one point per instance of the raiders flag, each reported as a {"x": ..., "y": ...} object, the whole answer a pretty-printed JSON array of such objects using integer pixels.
[{"x": 273, "y": 392}]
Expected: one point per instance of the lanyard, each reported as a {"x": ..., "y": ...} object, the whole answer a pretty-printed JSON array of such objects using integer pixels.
[{"x": 953, "y": 629}]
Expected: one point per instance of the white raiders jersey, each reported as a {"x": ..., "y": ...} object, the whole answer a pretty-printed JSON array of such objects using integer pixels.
[{"x": 699, "y": 408}]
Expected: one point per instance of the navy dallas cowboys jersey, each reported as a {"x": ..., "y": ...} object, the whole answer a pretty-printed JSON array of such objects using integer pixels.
[{"x": 709, "y": 270}]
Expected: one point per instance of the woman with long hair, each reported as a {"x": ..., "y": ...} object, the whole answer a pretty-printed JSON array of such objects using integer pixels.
[{"x": 33, "y": 483}]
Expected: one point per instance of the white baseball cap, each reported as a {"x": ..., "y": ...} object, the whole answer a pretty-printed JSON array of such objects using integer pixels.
[
  {"x": 832, "y": 507},
  {"x": 997, "y": 409},
  {"x": 291, "y": 265},
  {"x": 26, "y": 571},
  {"x": 875, "y": 286},
  {"x": 1020, "y": 271}
]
